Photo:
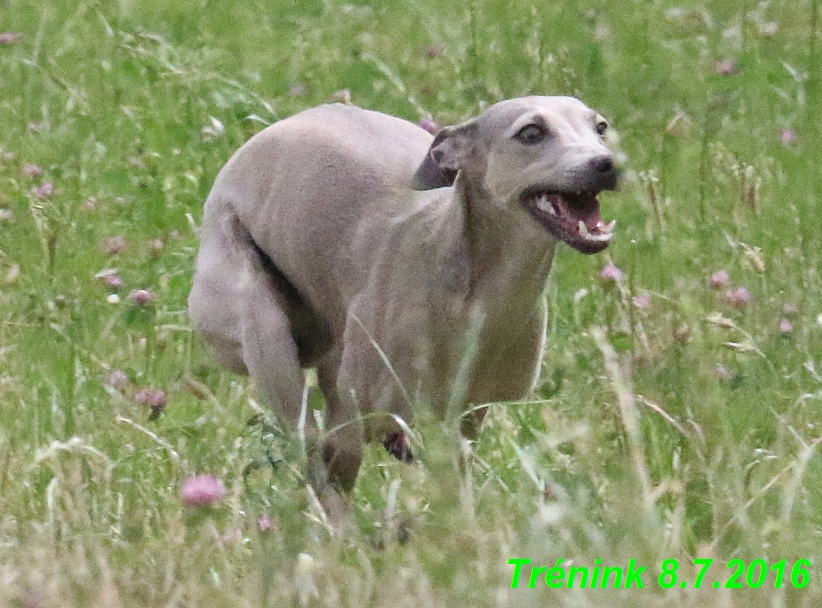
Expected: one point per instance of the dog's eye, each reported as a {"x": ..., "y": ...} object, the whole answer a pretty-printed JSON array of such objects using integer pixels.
[
  {"x": 531, "y": 134},
  {"x": 602, "y": 126}
]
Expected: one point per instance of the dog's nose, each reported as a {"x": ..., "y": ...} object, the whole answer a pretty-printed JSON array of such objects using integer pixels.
[
  {"x": 602, "y": 172},
  {"x": 602, "y": 164}
]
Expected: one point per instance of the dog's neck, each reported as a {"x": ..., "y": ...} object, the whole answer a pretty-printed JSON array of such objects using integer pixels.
[{"x": 506, "y": 251}]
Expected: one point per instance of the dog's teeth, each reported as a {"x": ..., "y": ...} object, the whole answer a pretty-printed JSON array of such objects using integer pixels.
[
  {"x": 596, "y": 238},
  {"x": 546, "y": 205},
  {"x": 599, "y": 238},
  {"x": 543, "y": 203}
]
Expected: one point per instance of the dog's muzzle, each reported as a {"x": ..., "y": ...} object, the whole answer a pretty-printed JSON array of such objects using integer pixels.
[{"x": 573, "y": 215}]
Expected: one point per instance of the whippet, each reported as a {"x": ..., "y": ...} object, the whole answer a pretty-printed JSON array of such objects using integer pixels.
[{"x": 407, "y": 269}]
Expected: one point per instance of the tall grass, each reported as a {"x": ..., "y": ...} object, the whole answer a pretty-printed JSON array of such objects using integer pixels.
[{"x": 673, "y": 420}]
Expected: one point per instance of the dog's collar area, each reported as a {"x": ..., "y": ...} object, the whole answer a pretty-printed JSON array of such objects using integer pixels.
[{"x": 572, "y": 217}]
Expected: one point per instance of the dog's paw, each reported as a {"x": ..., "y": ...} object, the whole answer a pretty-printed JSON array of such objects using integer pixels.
[{"x": 397, "y": 446}]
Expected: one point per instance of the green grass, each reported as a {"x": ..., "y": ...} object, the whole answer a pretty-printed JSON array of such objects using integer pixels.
[{"x": 130, "y": 109}]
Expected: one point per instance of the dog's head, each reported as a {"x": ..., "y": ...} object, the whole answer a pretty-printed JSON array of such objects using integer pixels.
[{"x": 544, "y": 153}]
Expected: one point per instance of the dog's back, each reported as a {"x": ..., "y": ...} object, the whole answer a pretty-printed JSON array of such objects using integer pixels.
[
  {"x": 352, "y": 167},
  {"x": 303, "y": 201}
]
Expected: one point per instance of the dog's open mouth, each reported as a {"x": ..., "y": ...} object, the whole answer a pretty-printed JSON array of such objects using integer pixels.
[{"x": 572, "y": 217}]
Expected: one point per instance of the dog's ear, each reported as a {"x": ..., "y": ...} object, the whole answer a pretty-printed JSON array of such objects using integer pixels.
[{"x": 446, "y": 156}]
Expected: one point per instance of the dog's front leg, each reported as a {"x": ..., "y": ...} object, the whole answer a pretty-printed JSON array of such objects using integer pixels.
[{"x": 375, "y": 370}]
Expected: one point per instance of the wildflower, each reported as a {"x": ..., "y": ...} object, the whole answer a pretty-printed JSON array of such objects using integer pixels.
[
  {"x": 31, "y": 598},
  {"x": 117, "y": 379},
  {"x": 785, "y": 326},
  {"x": 201, "y": 491},
  {"x": 32, "y": 170},
  {"x": 683, "y": 333},
  {"x": 264, "y": 524},
  {"x": 113, "y": 299},
  {"x": 739, "y": 297},
  {"x": 154, "y": 398},
  {"x": 8, "y": 38},
  {"x": 642, "y": 302},
  {"x": 114, "y": 245},
  {"x": 156, "y": 247},
  {"x": 787, "y": 137},
  {"x": 110, "y": 277},
  {"x": 725, "y": 67},
  {"x": 611, "y": 272},
  {"x": 430, "y": 125},
  {"x": 44, "y": 191},
  {"x": 719, "y": 279},
  {"x": 433, "y": 51},
  {"x": 113, "y": 280},
  {"x": 723, "y": 374},
  {"x": 141, "y": 297}
]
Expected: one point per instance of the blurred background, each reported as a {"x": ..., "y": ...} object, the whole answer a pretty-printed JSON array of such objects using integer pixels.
[{"x": 115, "y": 117}]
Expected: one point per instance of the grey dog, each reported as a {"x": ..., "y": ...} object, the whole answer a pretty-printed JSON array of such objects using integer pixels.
[{"x": 407, "y": 269}]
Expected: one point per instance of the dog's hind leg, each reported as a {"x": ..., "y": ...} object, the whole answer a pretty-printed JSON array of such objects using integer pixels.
[
  {"x": 344, "y": 438},
  {"x": 241, "y": 307},
  {"x": 257, "y": 323},
  {"x": 272, "y": 357},
  {"x": 270, "y": 352}
]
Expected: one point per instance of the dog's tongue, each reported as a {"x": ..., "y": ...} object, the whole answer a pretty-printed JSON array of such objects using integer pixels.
[{"x": 572, "y": 217}]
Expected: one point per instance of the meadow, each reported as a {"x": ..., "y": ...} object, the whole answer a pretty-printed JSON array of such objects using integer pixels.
[{"x": 676, "y": 416}]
